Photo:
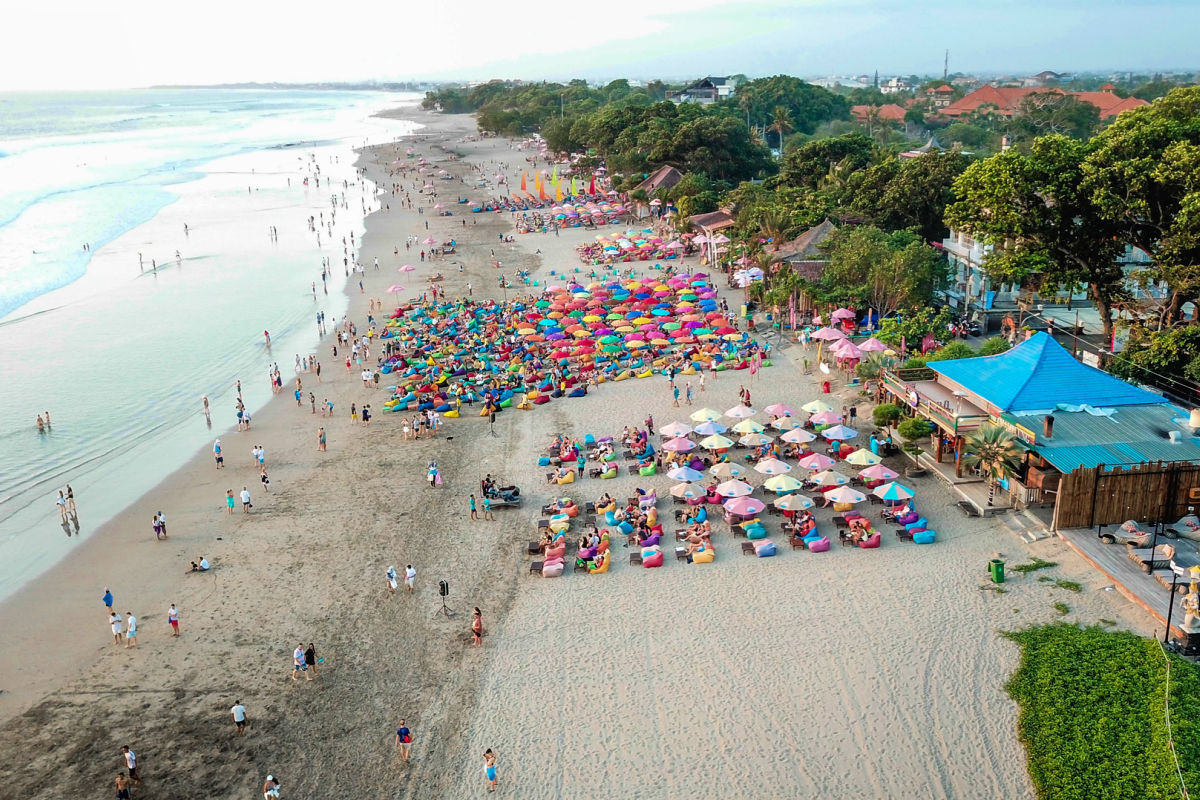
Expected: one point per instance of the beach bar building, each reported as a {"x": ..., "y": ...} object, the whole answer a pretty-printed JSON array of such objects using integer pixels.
[{"x": 1098, "y": 450}]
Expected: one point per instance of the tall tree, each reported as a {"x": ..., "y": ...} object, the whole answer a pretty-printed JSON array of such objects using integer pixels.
[
  {"x": 885, "y": 271},
  {"x": 781, "y": 123},
  {"x": 1141, "y": 174},
  {"x": 1042, "y": 225},
  {"x": 809, "y": 163}
]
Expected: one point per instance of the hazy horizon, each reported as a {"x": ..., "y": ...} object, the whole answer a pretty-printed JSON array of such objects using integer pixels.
[{"x": 139, "y": 44}]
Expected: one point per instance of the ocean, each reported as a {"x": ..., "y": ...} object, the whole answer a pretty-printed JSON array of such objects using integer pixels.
[{"x": 120, "y": 352}]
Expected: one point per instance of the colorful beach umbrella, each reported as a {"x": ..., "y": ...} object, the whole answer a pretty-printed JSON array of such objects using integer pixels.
[
  {"x": 716, "y": 442},
  {"x": 840, "y": 432},
  {"x": 798, "y": 436},
  {"x": 816, "y": 461},
  {"x": 893, "y": 491},
  {"x": 816, "y": 406},
  {"x": 778, "y": 410},
  {"x": 862, "y": 457},
  {"x": 725, "y": 470},
  {"x": 748, "y": 426},
  {"x": 844, "y": 494},
  {"x": 685, "y": 474},
  {"x": 878, "y": 472},
  {"x": 782, "y": 483},
  {"x": 772, "y": 466},
  {"x": 740, "y": 412},
  {"x": 755, "y": 440},
  {"x": 679, "y": 445},
  {"x": 829, "y": 478},
  {"x": 744, "y": 506},
  {"x": 675, "y": 429},
  {"x": 705, "y": 415},
  {"x": 734, "y": 488},
  {"x": 687, "y": 491},
  {"x": 793, "y": 502},
  {"x": 709, "y": 428}
]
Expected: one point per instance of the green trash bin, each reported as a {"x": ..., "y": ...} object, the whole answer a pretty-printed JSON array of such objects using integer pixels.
[{"x": 996, "y": 567}]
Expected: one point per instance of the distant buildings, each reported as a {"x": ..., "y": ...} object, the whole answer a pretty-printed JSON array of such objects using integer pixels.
[
  {"x": 665, "y": 177},
  {"x": 706, "y": 90},
  {"x": 894, "y": 85},
  {"x": 889, "y": 112},
  {"x": 940, "y": 97}
]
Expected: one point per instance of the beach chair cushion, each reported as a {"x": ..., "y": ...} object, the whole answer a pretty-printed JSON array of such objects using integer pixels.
[
  {"x": 819, "y": 545},
  {"x": 565, "y": 479},
  {"x": 765, "y": 549},
  {"x": 924, "y": 537},
  {"x": 871, "y": 541},
  {"x": 655, "y": 559},
  {"x": 553, "y": 570},
  {"x": 704, "y": 556}
]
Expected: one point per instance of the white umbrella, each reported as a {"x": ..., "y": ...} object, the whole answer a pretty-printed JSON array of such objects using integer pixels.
[
  {"x": 755, "y": 440},
  {"x": 725, "y": 470},
  {"x": 687, "y": 491},
  {"x": 792, "y": 502},
  {"x": 816, "y": 406},
  {"x": 839, "y": 432},
  {"x": 844, "y": 494},
  {"x": 829, "y": 478},
  {"x": 734, "y": 488},
  {"x": 772, "y": 466},
  {"x": 798, "y": 436},
  {"x": 675, "y": 429},
  {"x": 685, "y": 474},
  {"x": 740, "y": 412}
]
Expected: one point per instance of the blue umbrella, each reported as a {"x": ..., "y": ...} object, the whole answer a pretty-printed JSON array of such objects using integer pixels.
[
  {"x": 686, "y": 474},
  {"x": 839, "y": 432},
  {"x": 893, "y": 491}
]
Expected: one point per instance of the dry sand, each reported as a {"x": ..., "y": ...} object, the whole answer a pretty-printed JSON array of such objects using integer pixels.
[{"x": 844, "y": 674}]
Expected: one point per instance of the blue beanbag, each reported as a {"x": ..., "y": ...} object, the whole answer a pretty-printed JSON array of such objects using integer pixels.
[
  {"x": 625, "y": 528},
  {"x": 766, "y": 550},
  {"x": 925, "y": 537},
  {"x": 544, "y": 461}
]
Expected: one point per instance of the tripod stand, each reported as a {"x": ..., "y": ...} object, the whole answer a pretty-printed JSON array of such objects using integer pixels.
[
  {"x": 444, "y": 590},
  {"x": 444, "y": 609}
]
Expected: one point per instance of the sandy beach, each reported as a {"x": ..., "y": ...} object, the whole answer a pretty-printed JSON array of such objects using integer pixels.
[{"x": 852, "y": 673}]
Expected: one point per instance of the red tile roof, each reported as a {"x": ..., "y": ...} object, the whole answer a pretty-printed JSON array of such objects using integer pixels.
[
  {"x": 1006, "y": 99},
  {"x": 889, "y": 112}
]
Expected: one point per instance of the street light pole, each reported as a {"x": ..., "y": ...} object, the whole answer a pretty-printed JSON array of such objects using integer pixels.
[{"x": 1170, "y": 607}]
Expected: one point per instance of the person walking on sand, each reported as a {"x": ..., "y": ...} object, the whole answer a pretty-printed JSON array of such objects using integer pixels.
[
  {"x": 271, "y": 788},
  {"x": 207, "y": 411},
  {"x": 61, "y": 502},
  {"x": 310, "y": 658},
  {"x": 130, "y": 630},
  {"x": 410, "y": 577},
  {"x": 217, "y": 454},
  {"x": 477, "y": 627},
  {"x": 403, "y": 740},
  {"x": 229, "y": 501},
  {"x": 471, "y": 503},
  {"x": 162, "y": 523},
  {"x": 108, "y": 598},
  {"x": 390, "y": 575},
  {"x": 173, "y": 619},
  {"x": 118, "y": 627},
  {"x": 131, "y": 765},
  {"x": 321, "y": 439},
  {"x": 122, "y": 786},
  {"x": 71, "y": 501},
  {"x": 246, "y": 504},
  {"x": 298, "y": 663},
  {"x": 239, "y": 717},
  {"x": 489, "y": 764}
]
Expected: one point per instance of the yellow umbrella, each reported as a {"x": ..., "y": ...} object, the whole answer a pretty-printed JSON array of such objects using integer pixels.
[
  {"x": 716, "y": 442},
  {"x": 748, "y": 426},
  {"x": 817, "y": 406},
  {"x": 863, "y": 458},
  {"x": 782, "y": 483},
  {"x": 526, "y": 331},
  {"x": 705, "y": 415},
  {"x": 592, "y": 318}
]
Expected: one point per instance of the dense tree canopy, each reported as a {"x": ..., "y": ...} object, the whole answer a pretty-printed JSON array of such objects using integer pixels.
[
  {"x": 807, "y": 105},
  {"x": 1042, "y": 224}
]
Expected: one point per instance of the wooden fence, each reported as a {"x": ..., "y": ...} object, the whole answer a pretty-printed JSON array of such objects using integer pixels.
[{"x": 1144, "y": 492}]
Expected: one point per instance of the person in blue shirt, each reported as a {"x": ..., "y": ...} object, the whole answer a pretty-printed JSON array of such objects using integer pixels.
[{"x": 404, "y": 740}]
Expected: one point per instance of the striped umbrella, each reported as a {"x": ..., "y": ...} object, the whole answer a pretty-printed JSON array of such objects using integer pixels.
[{"x": 893, "y": 491}]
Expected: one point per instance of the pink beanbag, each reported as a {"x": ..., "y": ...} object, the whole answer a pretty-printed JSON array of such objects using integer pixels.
[
  {"x": 655, "y": 560},
  {"x": 553, "y": 570}
]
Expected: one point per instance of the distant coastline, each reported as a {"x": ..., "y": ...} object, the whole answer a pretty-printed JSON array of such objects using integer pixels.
[{"x": 360, "y": 86}]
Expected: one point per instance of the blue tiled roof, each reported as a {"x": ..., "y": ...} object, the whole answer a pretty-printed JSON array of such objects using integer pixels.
[
  {"x": 1039, "y": 374},
  {"x": 1132, "y": 435}
]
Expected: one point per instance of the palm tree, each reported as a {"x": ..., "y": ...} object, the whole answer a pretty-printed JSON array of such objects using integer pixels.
[
  {"x": 773, "y": 222},
  {"x": 781, "y": 124},
  {"x": 995, "y": 453}
]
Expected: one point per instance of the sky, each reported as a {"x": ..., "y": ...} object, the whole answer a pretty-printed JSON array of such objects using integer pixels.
[{"x": 82, "y": 44}]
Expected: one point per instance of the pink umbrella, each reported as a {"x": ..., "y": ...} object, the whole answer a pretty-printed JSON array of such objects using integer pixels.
[
  {"x": 844, "y": 348},
  {"x": 842, "y": 313},
  {"x": 829, "y": 334},
  {"x": 817, "y": 461},
  {"x": 428, "y": 240},
  {"x": 878, "y": 473},
  {"x": 772, "y": 466},
  {"x": 779, "y": 410},
  {"x": 798, "y": 436},
  {"x": 679, "y": 445},
  {"x": 395, "y": 289},
  {"x": 744, "y": 506},
  {"x": 407, "y": 268},
  {"x": 872, "y": 345},
  {"x": 826, "y": 418}
]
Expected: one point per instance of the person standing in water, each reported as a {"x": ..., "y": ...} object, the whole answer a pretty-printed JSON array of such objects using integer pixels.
[{"x": 207, "y": 412}]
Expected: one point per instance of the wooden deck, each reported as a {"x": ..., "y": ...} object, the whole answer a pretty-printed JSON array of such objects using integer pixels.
[{"x": 1127, "y": 575}]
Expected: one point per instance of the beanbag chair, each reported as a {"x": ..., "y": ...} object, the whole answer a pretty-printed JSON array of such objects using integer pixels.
[
  {"x": 587, "y": 554},
  {"x": 602, "y": 547},
  {"x": 651, "y": 540},
  {"x": 540, "y": 400},
  {"x": 580, "y": 392},
  {"x": 601, "y": 568},
  {"x": 702, "y": 515},
  {"x": 756, "y": 532},
  {"x": 568, "y": 478},
  {"x": 609, "y": 516},
  {"x": 609, "y": 457},
  {"x": 451, "y": 414},
  {"x": 655, "y": 560},
  {"x": 646, "y": 374},
  {"x": 611, "y": 473},
  {"x": 705, "y": 556},
  {"x": 920, "y": 523},
  {"x": 764, "y": 549},
  {"x": 544, "y": 461},
  {"x": 649, "y": 469},
  {"x": 560, "y": 522},
  {"x": 443, "y": 408},
  {"x": 571, "y": 511},
  {"x": 652, "y": 517},
  {"x": 553, "y": 570},
  {"x": 819, "y": 545},
  {"x": 871, "y": 541},
  {"x": 556, "y": 552},
  {"x": 925, "y": 537},
  {"x": 625, "y": 528},
  {"x": 606, "y": 510}
]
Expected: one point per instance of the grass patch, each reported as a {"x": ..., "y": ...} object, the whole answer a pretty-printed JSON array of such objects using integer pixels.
[
  {"x": 1091, "y": 714},
  {"x": 1106, "y": 621},
  {"x": 1062, "y": 608},
  {"x": 1070, "y": 586},
  {"x": 1033, "y": 566},
  {"x": 1045, "y": 579}
]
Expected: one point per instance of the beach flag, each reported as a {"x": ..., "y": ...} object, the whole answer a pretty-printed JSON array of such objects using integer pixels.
[
  {"x": 558, "y": 192},
  {"x": 554, "y": 175},
  {"x": 522, "y": 181},
  {"x": 574, "y": 187},
  {"x": 592, "y": 185}
]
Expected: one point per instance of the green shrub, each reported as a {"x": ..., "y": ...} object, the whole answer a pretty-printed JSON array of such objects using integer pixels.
[
  {"x": 915, "y": 362},
  {"x": 953, "y": 350},
  {"x": 1062, "y": 608},
  {"x": 994, "y": 346},
  {"x": 1091, "y": 714},
  {"x": 915, "y": 428},
  {"x": 886, "y": 414}
]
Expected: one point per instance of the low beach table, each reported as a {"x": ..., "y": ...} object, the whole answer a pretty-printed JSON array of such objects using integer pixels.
[{"x": 681, "y": 554}]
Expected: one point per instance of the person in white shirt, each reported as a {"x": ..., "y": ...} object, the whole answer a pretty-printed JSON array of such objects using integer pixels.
[
  {"x": 298, "y": 663},
  {"x": 391, "y": 579},
  {"x": 410, "y": 575},
  {"x": 130, "y": 629},
  {"x": 114, "y": 620},
  {"x": 246, "y": 506},
  {"x": 239, "y": 717}
]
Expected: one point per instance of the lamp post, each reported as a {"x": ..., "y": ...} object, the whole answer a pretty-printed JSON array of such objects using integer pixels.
[{"x": 1170, "y": 606}]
